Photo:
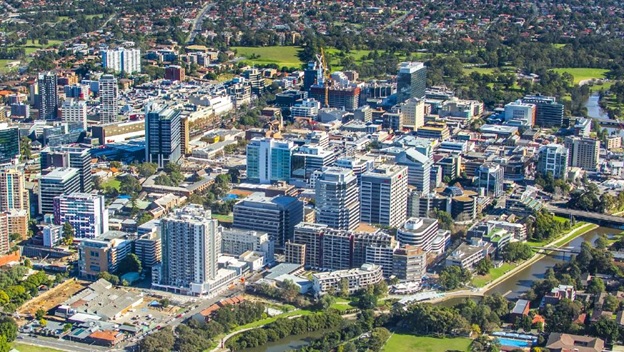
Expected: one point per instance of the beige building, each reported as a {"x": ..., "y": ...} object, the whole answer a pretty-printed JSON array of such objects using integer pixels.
[
  {"x": 13, "y": 194},
  {"x": 295, "y": 253},
  {"x": 367, "y": 275},
  {"x": 413, "y": 111}
]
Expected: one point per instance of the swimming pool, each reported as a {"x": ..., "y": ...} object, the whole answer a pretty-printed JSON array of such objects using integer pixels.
[{"x": 514, "y": 343}]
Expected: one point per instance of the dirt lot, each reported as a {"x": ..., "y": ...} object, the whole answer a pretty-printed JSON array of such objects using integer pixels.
[{"x": 53, "y": 297}]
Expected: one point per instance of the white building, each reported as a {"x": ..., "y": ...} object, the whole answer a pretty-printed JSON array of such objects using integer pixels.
[
  {"x": 52, "y": 235},
  {"x": 191, "y": 244},
  {"x": 269, "y": 160},
  {"x": 108, "y": 99},
  {"x": 306, "y": 108},
  {"x": 337, "y": 203},
  {"x": 237, "y": 241},
  {"x": 383, "y": 195},
  {"x": 367, "y": 275},
  {"x": 553, "y": 159},
  {"x": 419, "y": 232},
  {"x": 518, "y": 113},
  {"x": 122, "y": 60},
  {"x": 85, "y": 212},
  {"x": 75, "y": 111}
]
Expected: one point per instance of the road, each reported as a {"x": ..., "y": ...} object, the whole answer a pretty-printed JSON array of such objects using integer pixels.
[
  {"x": 63, "y": 345},
  {"x": 196, "y": 27}
]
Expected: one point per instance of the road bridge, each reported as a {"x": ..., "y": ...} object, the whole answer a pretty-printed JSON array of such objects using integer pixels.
[{"x": 596, "y": 218}]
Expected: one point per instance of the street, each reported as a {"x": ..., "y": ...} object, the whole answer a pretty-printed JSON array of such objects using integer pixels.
[
  {"x": 196, "y": 28},
  {"x": 64, "y": 345}
]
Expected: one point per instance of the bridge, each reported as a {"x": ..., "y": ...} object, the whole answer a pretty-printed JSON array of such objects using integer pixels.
[
  {"x": 597, "y": 218},
  {"x": 564, "y": 250}
]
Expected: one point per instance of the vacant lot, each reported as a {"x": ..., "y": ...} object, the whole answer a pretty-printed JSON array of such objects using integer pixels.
[
  {"x": 23, "y": 347},
  {"x": 411, "y": 343},
  {"x": 279, "y": 55},
  {"x": 53, "y": 297},
  {"x": 583, "y": 73}
]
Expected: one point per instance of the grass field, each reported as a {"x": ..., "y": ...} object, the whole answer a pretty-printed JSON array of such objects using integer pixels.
[
  {"x": 341, "y": 305},
  {"x": 482, "y": 280},
  {"x": 223, "y": 218},
  {"x": 272, "y": 319},
  {"x": 571, "y": 234},
  {"x": 559, "y": 46},
  {"x": 22, "y": 347},
  {"x": 280, "y": 55},
  {"x": 4, "y": 66},
  {"x": 411, "y": 343},
  {"x": 112, "y": 182},
  {"x": 583, "y": 73},
  {"x": 31, "y": 48}
]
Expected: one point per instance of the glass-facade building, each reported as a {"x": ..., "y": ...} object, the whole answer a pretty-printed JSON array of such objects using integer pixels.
[
  {"x": 269, "y": 160},
  {"x": 411, "y": 81},
  {"x": 9, "y": 143},
  {"x": 163, "y": 140}
]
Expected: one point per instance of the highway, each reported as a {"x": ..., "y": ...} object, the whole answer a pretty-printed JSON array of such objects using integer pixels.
[{"x": 196, "y": 28}]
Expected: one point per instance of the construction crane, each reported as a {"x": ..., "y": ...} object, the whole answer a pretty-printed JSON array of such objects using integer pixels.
[{"x": 323, "y": 77}]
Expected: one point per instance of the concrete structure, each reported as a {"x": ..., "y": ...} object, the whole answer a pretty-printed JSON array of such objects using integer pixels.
[
  {"x": 413, "y": 111},
  {"x": 148, "y": 248},
  {"x": 191, "y": 244},
  {"x": 122, "y": 60},
  {"x": 86, "y": 213},
  {"x": 583, "y": 152},
  {"x": 418, "y": 168},
  {"x": 236, "y": 242},
  {"x": 74, "y": 111},
  {"x": 490, "y": 177},
  {"x": 52, "y": 235},
  {"x": 294, "y": 253},
  {"x": 47, "y": 100},
  {"x": 108, "y": 99},
  {"x": 383, "y": 195},
  {"x": 13, "y": 194},
  {"x": 466, "y": 255},
  {"x": 163, "y": 142},
  {"x": 276, "y": 216},
  {"x": 409, "y": 263},
  {"x": 553, "y": 159},
  {"x": 548, "y": 112},
  {"x": 518, "y": 113},
  {"x": 175, "y": 73},
  {"x": 99, "y": 255},
  {"x": 310, "y": 158},
  {"x": 411, "y": 81},
  {"x": 367, "y": 275},
  {"x": 269, "y": 160},
  {"x": 69, "y": 156},
  {"x": 419, "y": 232},
  {"x": 9, "y": 143},
  {"x": 59, "y": 181},
  {"x": 337, "y": 202}
]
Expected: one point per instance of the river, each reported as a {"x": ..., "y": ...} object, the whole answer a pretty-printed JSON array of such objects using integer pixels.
[
  {"x": 287, "y": 343},
  {"x": 593, "y": 108},
  {"x": 523, "y": 280}
]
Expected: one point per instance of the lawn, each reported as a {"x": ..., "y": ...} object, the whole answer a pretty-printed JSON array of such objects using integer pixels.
[
  {"x": 559, "y": 46},
  {"x": 602, "y": 86},
  {"x": 583, "y": 73},
  {"x": 22, "y": 347},
  {"x": 4, "y": 66},
  {"x": 280, "y": 55},
  {"x": 223, "y": 218},
  {"x": 411, "y": 343},
  {"x": 482, "y": 280},
  {"x": 112, "y": 182},
  {"x": 31, "y": 48},
  {"x": 341, "y": 305},
  {"x": 272, "y": 319},
  {"x": 571, "y": 235}
]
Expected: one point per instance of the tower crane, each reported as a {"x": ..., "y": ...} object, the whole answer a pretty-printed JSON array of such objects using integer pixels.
[{"x": 323, "y": 76}]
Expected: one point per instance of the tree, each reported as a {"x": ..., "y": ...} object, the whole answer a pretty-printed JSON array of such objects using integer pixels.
[
  {"x": 129, "y": 185},
  {"x": 484, "y": 344},
  {"x": 595, "y": 285},
  {"x": 68, "y": 233},
  {"x": 67, "y": 327},
  {"x": 289, "y": 291},
  {"x": 344, "y": 287},
  {"x": 97, "y": 182},
  {"x": 131, "y": 263},
  {"x": 378, "y": 338},
  {"x": 147, "y": 169},
  {"x": 445, "y": 219},
  {"x": 161, "y": 341},
  {"x": 453, "y": 277},
  {"x": 113, "y": 279},
  {"x": 43, "y": 322},
  {"x": 516, "y": 251},
  {"x": 484, "y": 266},
  {"x": 25, "y": 148},
  {"x": 164, "y": 302},
  {"x": 607, "y": 329},
  {"x": 40, "y": 313},
  {"x": 4, "y": 345},
  {"x": 115, "y": 164},
  {"x": 8, "y": 328}
]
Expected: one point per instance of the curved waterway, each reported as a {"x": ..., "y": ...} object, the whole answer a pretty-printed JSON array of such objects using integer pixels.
[
  {"x": 522, "y": 281},
  {"x": 593, "y": 108}
]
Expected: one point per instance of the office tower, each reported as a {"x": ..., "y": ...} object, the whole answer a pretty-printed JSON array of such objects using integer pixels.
[
  {"x": 13, "y": 194},
  {"x": 582, "y": 127},
  {"x": 149, "y": 249},
  {"x": 553, "y": 159},
  {"x": 175, "y": 73},
  {"x": 294, "y": 253},
  {"x": 108, "y": 99},
  {"x": 5, "y": 239},
  {"x": 418, "y": 169},
  {"x": 337, "y": 202},
  {"x": 86, "y": 213},
  {"x": 417, "y": 231},
  {"x": 74, "y": 111},
  {"x": 254, "y": 76},
  {"x": 411, "y": 81},
  {"x": 185, "y": 137},
  {"x": 347, "y": 98},
  {"x": 77, "y": 91},
  {"x": 269, "y": 160},
  {"x": 238, "y": 241},
  {"x": 163, "y": 142},
  {"x": 383, "y": 196},
  {"x": 310, "y": 158},
  {"x": 548, "y": 113},
  {"x": 9, "y": 143},
  {"x": 312, "y": 75},
  {"x": 490, "y": 177},
  {"x": 122, "y": 60},
  {"x": 409, "y": 263},
  {"x": 191, "y": 244},
  {"x": 518, "y": 113},
  {"x": 59, "y": 181},
  {"x": 309, "y": 235},
  {"x": 69, "y": 156},
  {"x": 357, "y": 165},
  {"x": 413, "y": 111},
  {"x": 277, "y": 216},
  {"x": 583, "y": 152},
  {"x": 20, "y": 110},
  {"x": 48, "y": 96},
  {"x": 99, "y": 255},
  {"x": 363, "y": 113}
]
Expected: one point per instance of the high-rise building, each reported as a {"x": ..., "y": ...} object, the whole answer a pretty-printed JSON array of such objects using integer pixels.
[
  {"x": 419, "y": 232},
  {"x": 309, "y": 234},
  {"x": 237, "y": 242},
  {"x": 85, "y": 212},
  {"x": 418, "y": 169},
  {"x": 413, "y": 111},
  {"x": 383, "y": 196},
  {"x": 59, "y": 181},
  {"x": 149, "y": 249},
  {"x": 122, "y": 60},
  {"x": 411, "y": 81},
  {"x": 312, "y": 75},
  {"x": 490, "y": 177},
  {"x": 553, "y": 159},
  {"x": 269, "y": 160},
  {"x": 13, "y": 194},
  {"x": 175, "y": 73},
  {"x": 409, "y": 263},
  {"x": 294, "y": 253},
  {"x": 191, "y": 244},
  {"x": 102, "y": 255},
  {"x": 9, "y": 143},
  {"x": 548, "y": 113},
  {"x": 518, "y": 113},
  {"x": 108, "y": 99},
  {"x": 163, "y": 143},
  {"x": 48, "y": 96},
  {"x": 583, "y": 152},
  {"x": 5, "y": 239},
  {"x": 357, "y": 165},
  {"x": 276, "y": 216},
  {"x": 310, "y": 158},
  {"x": 74, "y": 111},
  {"x": 69, "y": 156},
  {"x": 337, "y": 202}
]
